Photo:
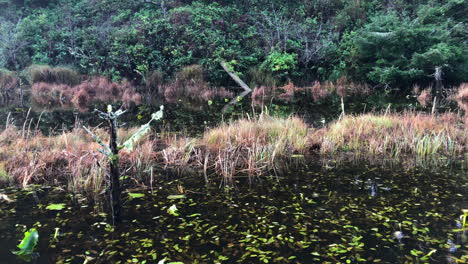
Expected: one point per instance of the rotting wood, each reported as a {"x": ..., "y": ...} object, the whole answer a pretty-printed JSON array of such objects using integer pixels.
[{"x": 241, "y": 83}]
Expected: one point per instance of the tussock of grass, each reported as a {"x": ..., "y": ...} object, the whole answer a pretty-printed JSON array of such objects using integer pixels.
[
  {"x": 394, "y": 135},
  {"x": 462, "y": 99},
  {"x": 246, "y": 146},
  {"x": 57, "y": 75},
  {"x": 291, "y": 133},
  {"x": 69, "y": 159}
]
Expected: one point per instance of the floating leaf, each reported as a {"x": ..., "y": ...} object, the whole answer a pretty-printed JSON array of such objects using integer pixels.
[
  {"x": 173, "y": 210},
  {"x": 297, "y": 156},
  {"x": 136, "y": 195},
  {"x": 5, "y": 198},
  {"x": 56, "y": 207},
  {"x": 174, "y": 197}
]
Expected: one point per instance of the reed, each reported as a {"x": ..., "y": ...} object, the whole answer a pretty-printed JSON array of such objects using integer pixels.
[
  {"x": 462, "y": 99},
  {"x": 69, "y": 159},
  {"x": 249, "y": 147},
  {"x": 395, "y": 135},
  {"x": 245, "y": 147},
  {"x": 84, "y": 95},
  {"x": 189, "y": 85}
]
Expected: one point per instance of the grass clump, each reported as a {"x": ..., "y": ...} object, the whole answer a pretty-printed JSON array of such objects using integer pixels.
[
  {"x": 243, "y": 147},
  {"x": 69, "y": 159},
  {"x": 4, "y": 177},
  {"x": 53, "y": 75},
  {"x": 189, "y": 85},
  {"x": 394, "y": 135},
  {"x": 462, "y": 99},
  {"x": 291, "y": 133},
  {"x": 9, "y": 84}
]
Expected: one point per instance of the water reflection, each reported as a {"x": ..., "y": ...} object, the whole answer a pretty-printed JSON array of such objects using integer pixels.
[{"x": 313, "y": 215}]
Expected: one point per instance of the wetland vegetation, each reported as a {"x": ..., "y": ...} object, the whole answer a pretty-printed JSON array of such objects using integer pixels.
[{"x": 233, "y": 131}]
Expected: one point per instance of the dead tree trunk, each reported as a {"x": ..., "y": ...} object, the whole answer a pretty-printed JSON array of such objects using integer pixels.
[
  {"x": 114, "y": 171},
  {"x": 241, "y": 83}
]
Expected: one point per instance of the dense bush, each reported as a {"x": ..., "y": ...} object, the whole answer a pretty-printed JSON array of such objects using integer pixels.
[{"x": 384, "y": 43}]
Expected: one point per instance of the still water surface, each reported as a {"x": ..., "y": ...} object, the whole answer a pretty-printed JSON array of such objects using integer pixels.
[{"x": 351, "y": 214}]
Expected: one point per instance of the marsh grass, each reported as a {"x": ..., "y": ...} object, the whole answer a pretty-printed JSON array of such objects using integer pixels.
[
  {"x": 462, "y": 99},
  {"x": 396, "y": 135},
  {"x": 84, "y": 95},
  {"x": 9, "y": 92},
  {"x": 68, "y": 159},
  {"x": 316, "y": 91},
  {"x": 245, "y": 148},
  {"x": 189, "y": 85}
]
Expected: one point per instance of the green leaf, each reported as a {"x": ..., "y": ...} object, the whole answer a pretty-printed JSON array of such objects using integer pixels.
[
  {"x": 174, "y": 197},
  {"x": 27, "y": 245},
  {"x": 56, "y": 207},
  {"x": 136, "y": 195},
  {"x": 173, "y": 210}
]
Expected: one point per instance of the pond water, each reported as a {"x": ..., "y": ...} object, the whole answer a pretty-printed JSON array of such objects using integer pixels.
[{"x": 351, "y": 214}]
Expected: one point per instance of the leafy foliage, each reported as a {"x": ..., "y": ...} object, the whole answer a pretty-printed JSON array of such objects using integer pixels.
[
  {"x": 386, "y": 43},
  {"x": 27, "y": 245}
]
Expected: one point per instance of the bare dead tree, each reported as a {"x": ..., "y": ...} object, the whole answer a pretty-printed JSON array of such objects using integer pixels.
[
  {"x": 277, "y": 31},
  {"x": 161, "y": 3},
  {"x": 11, "y": 43},
  {"x": 313, "y": 40}
]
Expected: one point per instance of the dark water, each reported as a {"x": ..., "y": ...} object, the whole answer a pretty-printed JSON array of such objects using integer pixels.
[{"x": 314, "y": 215}]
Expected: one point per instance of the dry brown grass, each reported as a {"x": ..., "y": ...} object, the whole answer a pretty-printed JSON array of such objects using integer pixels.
[
  {"x": 248, "y": 147},
  {"x": 425, "y": 98},
  {"x": 9, "y": 84},
  {"x": 68, "y": 159},
  {"x": 396, "y": 135},
  {"x": 189, "y": 85},
  {"x": 462, "y": 98},
  {"x": 84, "y": 95},
  {"x": 317, "y": 91},
  {"x": 244, "y": 147}
]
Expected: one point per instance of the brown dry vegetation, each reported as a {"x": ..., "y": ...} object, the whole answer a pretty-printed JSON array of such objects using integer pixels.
[
  {"x": 55, "y": 75},
  {"x": 425, "y": 98},
  {"x": 462, "y": 99},
  {"x": 318, "y": 91},
  {"x": 249, "y": 147},
  {"x": 396, "y": 135},
  {"x": 68, "y": 159},
  {"x": 189, "y": 84},
  {"x": 244, "y": 147},
  {"x": 85, "y": 94}
]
